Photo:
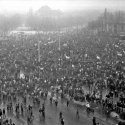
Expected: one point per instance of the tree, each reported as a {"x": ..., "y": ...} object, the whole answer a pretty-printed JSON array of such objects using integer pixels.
[{"x": 9, "y": 23}]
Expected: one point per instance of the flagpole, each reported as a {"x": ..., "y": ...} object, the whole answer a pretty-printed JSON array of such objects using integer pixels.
[
  {"x": 39, "y": 51},
  {"x": 39, "y": 55},
  {"x": 59, "y": 52},
  {"x": 59, "y": 40}
]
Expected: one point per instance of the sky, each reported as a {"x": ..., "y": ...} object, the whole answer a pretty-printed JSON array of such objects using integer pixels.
[{"x": 22, "y": 6}]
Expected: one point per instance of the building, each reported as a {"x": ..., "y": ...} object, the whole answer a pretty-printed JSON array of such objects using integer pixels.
[{"x": 109, "y": 22}]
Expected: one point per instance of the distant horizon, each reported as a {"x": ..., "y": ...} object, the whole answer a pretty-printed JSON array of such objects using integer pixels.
[
  {"x": 22, "y": 7},
  {"x": 5, "y": 12}
]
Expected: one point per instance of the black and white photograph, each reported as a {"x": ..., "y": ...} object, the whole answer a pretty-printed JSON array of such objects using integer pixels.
[{"x": 62, "y": 62}]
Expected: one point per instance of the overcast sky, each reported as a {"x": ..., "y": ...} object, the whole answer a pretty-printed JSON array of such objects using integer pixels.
[{"x": 64, "y": 5}]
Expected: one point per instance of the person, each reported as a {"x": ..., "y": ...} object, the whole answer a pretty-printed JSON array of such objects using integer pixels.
[
  {"x": 56, "y": 102},
  {"x": 120, "y": 123},
  {"x": 43, "y": 107},
  {"x": 107, "y": 114},
  {"x": 4, "y": 115},
  {"x": 0, "y": 120},
  {"x": 77, "y": 114},
  {"x": 60, "y": 115},
  {"x": 0, "y": 113},
  {"x": 94, "y": 121},
  {"x": 31, "y": 117},
  {"x": 11, "y": 107},
  {"x": 43, "y": 111},
  {"x": 40, "y": 113},
  {"x": 88, "y": 112},
  {"x": 25, "y": 100},
  {"x": 62, "y": 121},
  {"x": 28, "y": 120},
  {"x": 43, "y": 114},
  {"x": 22, "y": 108},
  {"x": 67, "y": 103},
  {"x": 40, "y": 110},
  {"x": 10, "y": 121},
  {"x": 7, "y": 121},
  {"x": 50, "y": 100},
  {"x": 46, "y": 94}
]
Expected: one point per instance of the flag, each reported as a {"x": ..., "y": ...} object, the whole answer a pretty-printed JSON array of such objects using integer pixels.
[
  {"x": 41, "y": 68},
  {"x": 50, "y": 52},
  {"x": 21, "y": 76},
  {"x": 86, "y": 55},
  {"x": 52, "y": 42},
  {"x": 123, "y": 51},
  {"x": 81, "y": 70},
  {"x": 97, "y": 57},
  {"x": 65, "y": 44},
  {"x": 49, "y": 38},
  {"x": 124, "y": 68},
  {"x": 67, "y": 57},
  {"x": 119, "y": 54},
  {"x": 73, "y": 66},
  {"x": 116, "y": 46},
  {"x": 35, "y": 44}
]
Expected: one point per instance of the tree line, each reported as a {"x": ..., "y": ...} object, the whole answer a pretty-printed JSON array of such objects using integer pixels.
[{"x": 46, "y": 19}]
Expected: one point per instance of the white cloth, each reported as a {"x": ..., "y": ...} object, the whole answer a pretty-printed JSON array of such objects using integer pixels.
[{"x": 88, "y": 105}]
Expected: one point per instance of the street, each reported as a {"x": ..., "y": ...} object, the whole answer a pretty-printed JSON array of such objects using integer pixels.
[{"x": 52, "y": 115}]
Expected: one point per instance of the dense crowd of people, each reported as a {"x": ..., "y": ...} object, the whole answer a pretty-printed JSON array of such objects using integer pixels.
[{"x": 33, "y": 63}]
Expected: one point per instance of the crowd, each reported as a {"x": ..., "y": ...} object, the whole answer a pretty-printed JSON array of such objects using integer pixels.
[
  {"x": 18, "y": 106},
  {"x": 69, "y": 60}
]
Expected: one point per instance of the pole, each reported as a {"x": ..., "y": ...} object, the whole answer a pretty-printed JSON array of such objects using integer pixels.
[
  {"x": 59, "y": 41},
  {"x": 39, "y": 51},
  {"x": 59, "y": 70}
]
